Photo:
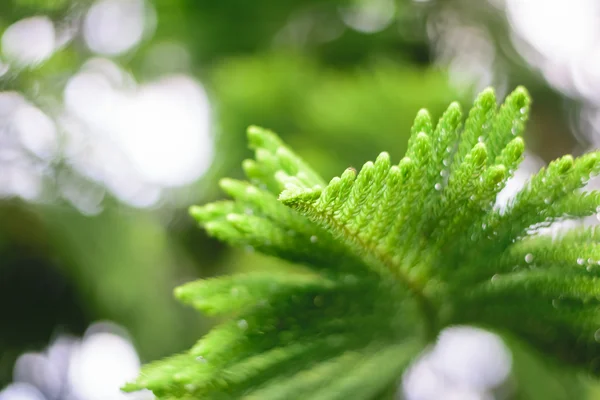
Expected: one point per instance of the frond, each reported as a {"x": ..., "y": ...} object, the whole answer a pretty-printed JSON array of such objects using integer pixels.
[{"x": 391, "y": 255}]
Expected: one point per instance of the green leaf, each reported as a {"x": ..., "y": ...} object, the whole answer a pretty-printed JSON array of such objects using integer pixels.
[{"x": 392, "y": 254}]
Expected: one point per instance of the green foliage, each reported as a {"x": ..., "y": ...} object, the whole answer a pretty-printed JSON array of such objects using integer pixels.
[
  {"x": 42, "y": 4},
  {"x": 318, "y": 107},
  {"x": 391, "y": 255}
]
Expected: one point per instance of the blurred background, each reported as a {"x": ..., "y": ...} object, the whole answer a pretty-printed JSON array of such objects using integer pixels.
[{"x": 116, "y": 115}]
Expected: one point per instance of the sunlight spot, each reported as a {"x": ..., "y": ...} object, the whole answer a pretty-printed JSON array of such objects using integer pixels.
[
  {"x": 21, "y": 391},
  {"x": 369, "y": 16},
  {"x": 29, "y": 41},
  {"x": 114, "y": 26},
  {"x": 465, "y": 363},
  {"x": 37, "y": 131}
]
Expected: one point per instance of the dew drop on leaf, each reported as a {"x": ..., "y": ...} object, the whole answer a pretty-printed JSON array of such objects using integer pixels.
[
  {"x": 580, "y": 261},
  {"x": 438, "y": 186},
  {"x": 190, "y": 387},
  {"x": 313, "y": 239},
  {"x": 529, "y": 258},
  {"x": 597, "y": 335},
  {"x": 242, "y": 324},
  {"x": 555, "y": 303}
]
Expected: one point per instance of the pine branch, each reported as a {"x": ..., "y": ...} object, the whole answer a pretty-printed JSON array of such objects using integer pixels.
[{"x": 392, "y": 254}]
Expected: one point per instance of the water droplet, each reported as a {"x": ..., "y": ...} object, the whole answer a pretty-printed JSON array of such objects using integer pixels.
[
  {"x": 555, "y": 303},
  {"x": 483, "y": 226},
  {"x": 480, "y": 139},
  {"x": 597, "y": 335},
  {"x": 529, "y": 258},
  {"x": 448, "y": 149},
  {"x": 249, "y": 211},
  {"x": 589, "y": 268},
  {"x": 242, "y": 324},
  {"x": 444, "y": 173},
  {"x": 438, "y": 186},
  {"x": 201, "y": 359},
  {"x": 495, "y": 278},
  {"x": 590, "y": 261},
  {"x": 580, "y": 261},
  {"x": 547, "y": 200},
  {"x": 523, "y": 110},
  {"x": 313, "y": 239},
  {"x": 189, "y": 387},
  {"x": 446, "y": 162}
]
